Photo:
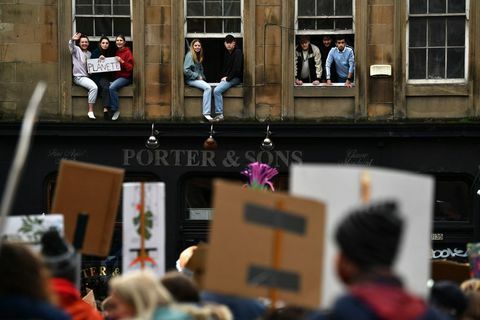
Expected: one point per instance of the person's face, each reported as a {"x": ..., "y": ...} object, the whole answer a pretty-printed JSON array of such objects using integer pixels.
[
  {"x": 84, "y": 43},
  {"x": 327, "y": 41},
  {"x": 304, "y": 44},
  {"x": 230, "y": 46},
  {"x": 122, "y": 309},
  {"x": 341, "y": 44},
  {"x": 197, "y": 47},
  {"x": 120, "y": 42},
  {"x": 104, "y": 44}
]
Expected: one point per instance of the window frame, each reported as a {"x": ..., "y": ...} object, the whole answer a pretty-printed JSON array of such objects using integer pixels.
[
  {"x": 466, "y": 46},
  {"x": 324, "y": 31},
  {"x": 201, "y": 35},
  {"x": 97, "y": 38}
]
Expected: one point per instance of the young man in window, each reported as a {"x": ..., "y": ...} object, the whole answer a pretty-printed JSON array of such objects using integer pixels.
[
  {"x": 308, "y": 62},
  {"x": 325, "y": 47},
  {"x": 232, "y": 74},
  {"x": 344, "y": 60}
]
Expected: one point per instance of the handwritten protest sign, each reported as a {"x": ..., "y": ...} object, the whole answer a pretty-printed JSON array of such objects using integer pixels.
[{"x": 103, "y": 65}]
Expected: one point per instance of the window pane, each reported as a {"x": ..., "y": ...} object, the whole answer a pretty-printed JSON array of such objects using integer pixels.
[
  {"x": 103, "y": 9},
  {"x": 103, "y": 26},
  {"x": 416, "y": 64},
  {"x": 213, "y": 8},
  {"x": 456, "y": 31},
  {"x": 418, "y": 6},
  {"x": 195, "y": 25},
  {"x": 456, "y": 63},
  {"x": 436, "y": 63},
  {"x": 343, "y": 7},
  {"x": 231, "y": 8},
  {"x": 325, "y": 24},
  {"x": 456, "y": 6},
  {"x": 214, "y": 26},
  {"x": 437, "y": 6},
  {"x": 116, "y": 2},
  {"x": 85, "y": 26},
  {"x": 436, "y": 32},
  {"x": 122, "y": 26},
  {"x": 84, "y": 2},
  {"x": 305, "y": 24},
  {"x": 232, "y": 26},
  {"x": 79, "y": 9},
  {"x": 103, "y": 2},
  {"x": 121, "y": 10},
  {"x": 325, "y": 7},
  {"x": 306, "y": 7},
  {"x": 343, "y": 24},
  {"x": 194, "y": 8},
  {"x": 417, "y": 35}
]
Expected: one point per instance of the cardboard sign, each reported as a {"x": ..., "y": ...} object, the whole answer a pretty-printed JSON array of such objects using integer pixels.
[
  {"x": 144, "y": 226},
  {"x": 103, "y": 65},
  {"x": 30, "y": 228},
  {"x": 341, "y": 188},
  {"x": 94, "y": 189},
  {"x": 264, "y": 244}
]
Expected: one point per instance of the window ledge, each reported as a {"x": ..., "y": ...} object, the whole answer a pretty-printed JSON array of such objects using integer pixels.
[
  {"x": 437, "y": 90},
  {"x": 323, "y": 90},
  {"x": 233, "y": 92},
  {"x": 78, "y": 91}
]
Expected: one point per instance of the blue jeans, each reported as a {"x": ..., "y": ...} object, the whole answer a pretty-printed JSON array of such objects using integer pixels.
[
  {"x": 207, "y": 94},
  {"x": 221, "y": 88},
  {"x": 114, "y": 87}
]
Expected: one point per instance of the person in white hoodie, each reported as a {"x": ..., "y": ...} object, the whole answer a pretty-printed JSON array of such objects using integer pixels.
[{"x": 80, "y": 54}]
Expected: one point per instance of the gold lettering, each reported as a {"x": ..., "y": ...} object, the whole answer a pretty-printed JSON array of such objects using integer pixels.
[
  {"x": 103, "y": 270},
  {"x": 116, "y": 272},
  {"x": 93, "y": 271}
]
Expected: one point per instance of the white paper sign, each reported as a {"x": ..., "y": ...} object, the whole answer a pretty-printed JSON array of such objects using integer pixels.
[
  {"x": 29, "y": 229},
  {"x": 339, "y": 188},
  {"x": 147, "y": 251},
  {"x": 103, "y": 65}
]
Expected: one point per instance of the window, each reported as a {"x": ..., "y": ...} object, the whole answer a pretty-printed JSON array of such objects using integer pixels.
[
  {"x": 103, "y": 17},
  {"x": 211, "y": 21},
  {"x": 453, "y": 198},
  {"x": 437, "y": 40}
]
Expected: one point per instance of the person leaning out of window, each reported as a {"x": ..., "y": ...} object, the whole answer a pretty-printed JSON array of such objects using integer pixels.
[
  {"x": 308, "y": 62},
  {"x": 195, "y": 77},
  {"x": 103, "y": 79},
  {"x": 344, "y": 60}
]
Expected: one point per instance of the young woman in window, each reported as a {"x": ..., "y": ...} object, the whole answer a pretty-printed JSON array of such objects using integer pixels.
[
  {"x": 194, "y": 76},
  {"x": 80, "y": 54},
  {"x": 123, "y": 77},
  {"x": 103, "y": 79}
]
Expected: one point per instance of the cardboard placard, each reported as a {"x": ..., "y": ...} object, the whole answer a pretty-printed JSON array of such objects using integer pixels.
[
  {"x": 149, "y": 251},
  {"x": 94, "y": 189},
  {"x": 340, "y": 188},
  {"x": 262, "y": 241},
  {"x": 103, "y": 65}
]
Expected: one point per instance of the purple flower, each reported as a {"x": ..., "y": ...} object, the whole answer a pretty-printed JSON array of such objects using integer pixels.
[{"x": 259, "y": 175}]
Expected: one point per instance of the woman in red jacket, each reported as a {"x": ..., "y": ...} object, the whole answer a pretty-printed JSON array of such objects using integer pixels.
[{"x": 123, "y": 77}]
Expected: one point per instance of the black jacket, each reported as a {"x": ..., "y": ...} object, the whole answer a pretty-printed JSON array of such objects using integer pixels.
[{"x": 233, "y": 64}]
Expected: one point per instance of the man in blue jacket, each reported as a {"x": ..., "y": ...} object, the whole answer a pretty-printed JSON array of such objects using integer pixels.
[{"x": 343, "y": 58}]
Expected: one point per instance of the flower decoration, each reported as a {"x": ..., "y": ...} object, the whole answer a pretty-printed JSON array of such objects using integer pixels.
[{"x": 259, "y": 175}]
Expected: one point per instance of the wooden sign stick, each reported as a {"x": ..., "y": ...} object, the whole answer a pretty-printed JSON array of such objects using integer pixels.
[
  {"x": 277, "y": 255},
  {"x": 365, "y": 187}
]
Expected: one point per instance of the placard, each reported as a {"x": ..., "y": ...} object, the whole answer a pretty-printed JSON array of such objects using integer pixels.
[{"x": 109, "y": 64}]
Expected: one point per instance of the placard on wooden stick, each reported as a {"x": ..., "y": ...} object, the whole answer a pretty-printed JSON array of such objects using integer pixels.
[
  {"x": 94, "y": 189},
  {"x": 263, "y": 243}
]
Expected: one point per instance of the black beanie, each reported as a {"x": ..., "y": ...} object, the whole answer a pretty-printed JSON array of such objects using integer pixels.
[
  {"x": 60, "y": 257},
  {"x": 370, "y": 236}
]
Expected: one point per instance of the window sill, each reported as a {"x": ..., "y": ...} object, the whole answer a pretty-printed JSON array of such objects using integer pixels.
[
  {"x": 437, "y": 90},
  {"x": 78, "y": 91},
  {"x": 233, "y": 92},
  {"x": 323, "y": 90}
]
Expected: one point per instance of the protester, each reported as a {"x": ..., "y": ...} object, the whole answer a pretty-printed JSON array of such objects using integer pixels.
[
  {"x": 123, "y": 77},
  {"x": 139, "y": 294},
  {"x": 206, "y": 312},
  {"x": 195, "y": 77},
  {"x": 232, "y": 74},
  {"x": 308, "y": 62},
  {"x": 80, "y": 72},
  {"x": 241, "y": 308},
  {"x": 368, "y": 240},
  {"x": 447, "y": 297},
  {"x": 62, "y": 261},
  {"x": 471, "y": 289},
  {"x": 181, "y": 287},
  {"x": 103, "y": 79},
  {"x": 24, "y": 287},
  {"x": 343, "y": 58},
  {"x": 109, "y": 309}
]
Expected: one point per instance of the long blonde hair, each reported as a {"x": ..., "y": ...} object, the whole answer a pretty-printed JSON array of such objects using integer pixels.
[{"x": 196, "y": 58}]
